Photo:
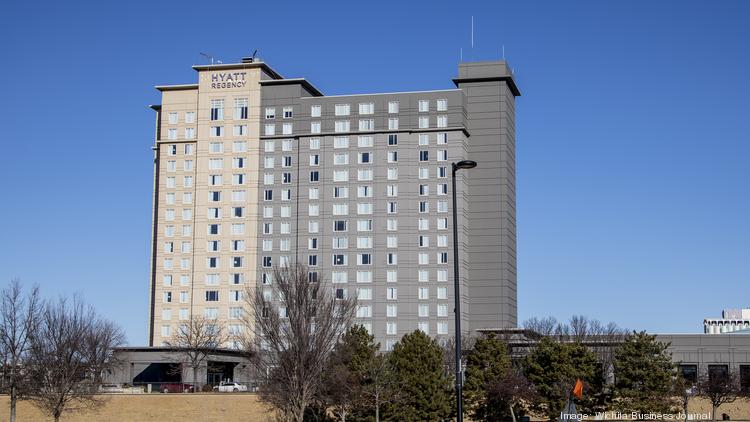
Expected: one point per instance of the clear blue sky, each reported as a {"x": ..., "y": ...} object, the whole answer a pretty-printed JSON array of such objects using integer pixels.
[{"x": 632, "y": 132}]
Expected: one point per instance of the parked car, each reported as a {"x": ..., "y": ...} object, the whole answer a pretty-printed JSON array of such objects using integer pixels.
[
  {"x": 111, "y": 388},
  {"x": 229, "y": 387},
  {"x": 177, "y": 388}
]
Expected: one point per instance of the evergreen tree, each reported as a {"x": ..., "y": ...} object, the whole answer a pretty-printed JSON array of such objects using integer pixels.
[
  {"x": 425, "y": 390},
  {"x": 553, "y": 369},
  {"x": 644, "y": 374},
  {"x": 486, "y": 363},
  {"x": 347, "y": 372}
]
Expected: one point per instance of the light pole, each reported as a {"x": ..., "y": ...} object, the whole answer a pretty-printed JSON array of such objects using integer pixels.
[{"x": 465, "y": 164}]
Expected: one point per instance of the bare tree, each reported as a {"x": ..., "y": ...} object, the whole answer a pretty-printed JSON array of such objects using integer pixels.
[
  {"x": 195, "y": 340},
  {"x": 719, "y": 388},
  {"x": 294, "y": 326},
  {"x": 60, "y": 365},
  {"x": 19, "y": 317},
  {"x": 98, "y": 348},
  {"x": 543, "y": 326},
  {"x": 380, "y": 386},
  {"x": 513, "y": 389}
]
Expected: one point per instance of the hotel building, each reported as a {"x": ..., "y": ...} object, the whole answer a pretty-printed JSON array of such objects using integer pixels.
[{"x": 253, "y": 170}]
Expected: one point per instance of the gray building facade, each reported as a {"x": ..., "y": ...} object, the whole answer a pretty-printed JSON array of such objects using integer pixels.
[{"x": 357, "y": 187}]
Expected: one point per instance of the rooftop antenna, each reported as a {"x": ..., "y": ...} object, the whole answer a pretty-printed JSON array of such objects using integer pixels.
[
  {"x": 472, "y": 32},
  {"x": 208, "y": 56},
  {"x": 255, "y": 52}
]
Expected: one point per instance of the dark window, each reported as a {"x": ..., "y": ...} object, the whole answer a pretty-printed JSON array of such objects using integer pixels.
[
  {"x": 338, "y": 260},
  {"x": 424, "y": 155},
  {"x": 717, "y": 372},
  {"x": 393, "y": 139},
  {"x": 237, "y": 261},
  {"x": 745, "y": 378},
  {"x": 312, "y": 260},
  {"x": 312, "y": 277},
  {"x": 213, "y": 229},
  {"x": 339, "y": 226},
  {"x": 339, "y": 293},
  {"x": 314, "y": 176},
  {"x": 689, "y": 373},
  {"x": 238, "y": 211},
  {"x": 236, "y": 278},
  {"x": 212, "y": 295},
  {"x": 267, "y": 261}
]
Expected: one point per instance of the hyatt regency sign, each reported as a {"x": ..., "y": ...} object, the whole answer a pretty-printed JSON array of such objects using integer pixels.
[{"x": 228, "y": 80}]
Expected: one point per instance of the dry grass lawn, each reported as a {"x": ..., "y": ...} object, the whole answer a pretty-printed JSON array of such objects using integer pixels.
[{"x": 158, "y": 407}]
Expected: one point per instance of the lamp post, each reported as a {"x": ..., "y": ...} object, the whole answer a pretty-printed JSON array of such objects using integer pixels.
[{"x": 465, "y": 164}]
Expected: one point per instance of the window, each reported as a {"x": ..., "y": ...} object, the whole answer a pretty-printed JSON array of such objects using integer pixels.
[
  {"x": 216, "y": 147},
  {"x": 392, "y": 207},
  {"x": 424, "y": 139},
  {"x": 424, "y": 241},
  {"x": 364, "y": 192},
  {"x": 442, "y": 328},
  {"x": 270, "y": 113},
  {"x": 718, "y": 372},
  {"x": 364, "y": 225},
  {"x": 315, "y": 111},
  {"x": 391, "y": 310},
  {"x": 288, "y": 112},
  {"x": 364, "y": 311},
  {"x": 366, "y": 125},
  {"x": 364, "y": 277},
  {"x": 393, "y": 123},
  {"x": 423, "y": 310},
  {"x": 269, "y": 129},
  {"x": 442, "y": 310},
  {"x": 442, "y": 121},
  {"x": 240, "y": 108},
  {"x": 391, "y": 276},
  {"x": 442, "y": 155},
  {"x": 745, "y": 378},
  {"x": 341, "y": 142},
  {"x": 689, "y": 373},
  {"x": 364, "y": 293},
  {"x": 171, "y": 133},
  {"x": 239, "y": 130},
  {"x": 393, "y": 139},
  {"x": 339, "y": 226},
  {"x": 314, "y": 159},
  {"x": 364, "y": 259},
  {"x": 424, "y": 258},
  {"x": 392, "y": 242},
  {"x": 392, "y": 224},
  {"x": 364, "y": 174},
  {"x": 365, "y": 158},
  {"x": 338, "y": 277},
  {"x": 341, "y": 175},
  {"x": 212, "y": 295},
  {"x": 391, "y": 328},
  {"x": 314, "y": 127},
  {"x": 364, "y": 208},
  {"x": 286, "y": 129},
  {"x": 340, "y": 192},
  {"x": 391, "y": 293},
  {"x": 424, "y": 156},
  {"x": 442, "y": 257},
  {"x": 423, "y": 224},
  {"x": 341, "y": 159},
  {"x": 424, "y": 122},
  {"x": 424, "y": 106},
  {"x": 340, "y": 209},
  {"x": 341, "y": 110},
  {"x": 424, "y": 190},
  {"x": 189, "y": 133},
  {"x": 217, "y": 109},
  {"x": 314, "y": 143},
  {"x": 424, "y": 173},
  {"x": 365, "y": 141},
  {"x": 341, "y": 126},
  {"x": 442, "y": 292},
  {"x": 392, "y": 258},
  {"x": 217, "y": 131},
  {"x": 189, "y": 117},
  {"x": 314, "y": 176},
  {"x": 366, "y": 108},
  {"x": 391, "y": 190},
  {"x": 442, "y": 138}
]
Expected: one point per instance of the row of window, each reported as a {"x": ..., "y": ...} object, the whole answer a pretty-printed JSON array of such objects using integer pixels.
[
  {"x": 423, "y": 106},
  {"x": 342, "y": 126}
]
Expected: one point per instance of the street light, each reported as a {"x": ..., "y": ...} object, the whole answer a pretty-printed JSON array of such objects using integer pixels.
[{"x": 464, "y": 164}]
